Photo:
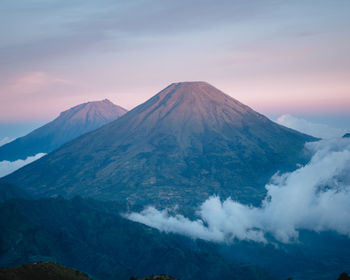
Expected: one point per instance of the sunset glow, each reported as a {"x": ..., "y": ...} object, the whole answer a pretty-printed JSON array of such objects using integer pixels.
[{"x": 277, "y": 57}]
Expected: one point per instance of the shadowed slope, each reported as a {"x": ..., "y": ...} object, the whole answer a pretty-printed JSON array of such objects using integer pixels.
[
  {"x": 8, "y": 191},
  {"x": 187, "y": 142}
]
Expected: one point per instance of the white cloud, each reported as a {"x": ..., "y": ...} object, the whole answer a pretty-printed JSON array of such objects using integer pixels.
[
  {"x": 7, "y": 167},
  {"x": 313, "y": 197},
  {"x": 315, "y": 129},
  {"x": 5, "y": 140}
]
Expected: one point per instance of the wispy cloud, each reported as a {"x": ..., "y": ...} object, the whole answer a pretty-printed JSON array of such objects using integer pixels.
[
  {"x": 32, "y": 82},
  {"x": 7, "y": 167},
  {"x": 314, "y": 197},
  {"x": 314, "y": 129},
  {"x": 60, "y": 32}
]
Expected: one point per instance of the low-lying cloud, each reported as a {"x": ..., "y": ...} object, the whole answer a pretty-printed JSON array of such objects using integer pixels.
[
  {"x": 5, "y": 140},
  {"x": 7, "y": 167},
  {"x": 313, "y": 197},
  {"x": 315, "y": 129}
]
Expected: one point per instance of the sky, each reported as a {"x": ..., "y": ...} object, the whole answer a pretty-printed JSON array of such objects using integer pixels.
[{"x": 278, "y": 57}]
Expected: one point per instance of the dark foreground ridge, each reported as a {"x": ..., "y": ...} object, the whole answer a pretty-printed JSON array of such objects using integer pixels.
[
  {"x": 53, "y": 271},
  {"x": 154, "y": 277},
  {"x": 42, "y": 271},
  {"x": 187, "y": 142}
]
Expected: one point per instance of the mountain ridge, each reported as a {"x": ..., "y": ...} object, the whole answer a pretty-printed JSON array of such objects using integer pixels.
[
  {"x": 187, "y": 142},
  {"x": 40, "y": 271},
  {"x": 68, "y": 125}
]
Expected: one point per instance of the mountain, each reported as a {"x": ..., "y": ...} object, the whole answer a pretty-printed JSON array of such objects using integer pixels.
[
  {"x": 93, "y": 237},
  {"x": 81, "y": 233},
  {"x": 187, "y": 142},
  {"x": 42, "y": 271},
  {"x": 67, "y": 126},
  {"x": 9, "y": 191}
]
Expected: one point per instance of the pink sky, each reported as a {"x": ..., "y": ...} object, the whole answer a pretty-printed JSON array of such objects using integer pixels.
[
  {"x": 39, "y": 96},
  {"x": 277, "y": 58}
]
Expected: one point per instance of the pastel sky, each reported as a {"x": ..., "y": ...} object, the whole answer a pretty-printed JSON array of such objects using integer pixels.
[{"x": 278, "y": 57}]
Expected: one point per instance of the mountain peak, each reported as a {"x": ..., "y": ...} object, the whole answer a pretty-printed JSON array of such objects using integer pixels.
[
  {"x": 187, "y": 142},
  {"x": 193, "y": 84},
  {"x": 103, "y": 108},
  {"x": 106, "y": 100},
  {"x": 100, "y": 102},
  {"x": 68, "y": 125},
  {"x": 192, "y": 106},
  {"x": 200, "y": 92},
  {"x": 195, "y": 87},
  {"x": 88, "y": 116}
]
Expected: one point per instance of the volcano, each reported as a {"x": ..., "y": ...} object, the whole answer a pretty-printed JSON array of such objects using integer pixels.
[
  {"x": 187, "y": 142},
  {"x": 67, "y": 126}
]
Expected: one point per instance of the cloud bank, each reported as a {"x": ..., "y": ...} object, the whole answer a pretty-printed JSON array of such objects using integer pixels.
[
  {"x": 5, "y": 140},
  {"x": 313, "y": 197},
  {"x": 315, "y": 129},
  {"x": 7, "y": 167}
]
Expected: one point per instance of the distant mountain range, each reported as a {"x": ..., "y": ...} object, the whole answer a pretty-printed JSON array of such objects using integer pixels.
[
  {"x": 68, "y": 125},
  {"x": 187, "y": 142}
]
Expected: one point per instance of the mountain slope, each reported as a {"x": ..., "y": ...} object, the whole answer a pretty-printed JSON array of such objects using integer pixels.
[
  {"x": 187, "y": 142},
  {"x": 67, "y": 126},
  {"x": 79, "y": 233},
  {"x": 8, "y": 191}
]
